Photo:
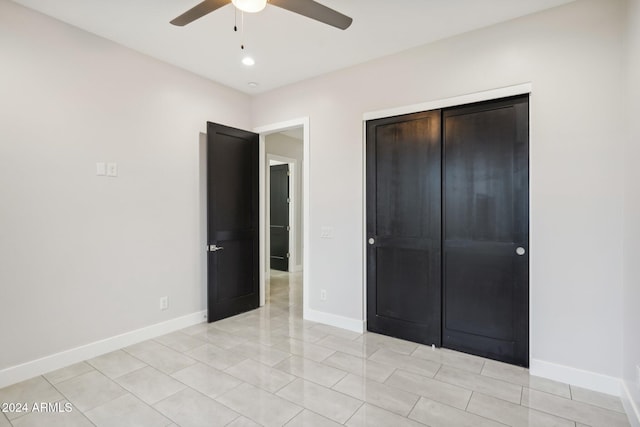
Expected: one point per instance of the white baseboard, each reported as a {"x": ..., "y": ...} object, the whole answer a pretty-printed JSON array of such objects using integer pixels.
[
  {"x": 630, "y": 407},
  {"x": 574, "y": 376},
  {"x": 18, "y": 373},
  {"x": 348, "y": 323}
]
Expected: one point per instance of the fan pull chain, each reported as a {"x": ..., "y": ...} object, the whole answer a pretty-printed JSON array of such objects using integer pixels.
[
  {"x": 242, "y": 36},
  {"x": 235, "y": 25}
]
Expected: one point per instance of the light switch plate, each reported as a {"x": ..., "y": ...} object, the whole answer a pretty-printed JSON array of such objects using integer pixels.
[
  {"x": 101, "y": 169},
  {"x": 326, "y": 232},
  {"x": 112, "y": 169}
]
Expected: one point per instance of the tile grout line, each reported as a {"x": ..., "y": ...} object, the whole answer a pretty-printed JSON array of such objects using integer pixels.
[
  {"x": 354, "y": 414},
  {"x": 522, "y": 405},
  {"x": 83, "y": 413},
  {"x": 521, "y": 395},
  {"x": 414, "y": 405},
  {"x": 295, "y": 415},
  {"x": 215, "y": 399},
  {"x": 469, "y": 401},
  {"x": 563, "y": 417},
  {"x": 237, "y": 418},
  {"x": 570, "y": 392},
  {"x": 173, "y": 394}
]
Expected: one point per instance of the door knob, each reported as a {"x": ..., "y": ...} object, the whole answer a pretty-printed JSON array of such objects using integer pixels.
[
  {"x": 520, "y": 250},
  {"x": 371, "y": 241},
  {"x": 215, "y": 248}
]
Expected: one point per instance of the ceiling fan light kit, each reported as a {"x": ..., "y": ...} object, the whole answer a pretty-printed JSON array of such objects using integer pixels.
[{"x": 250, "y": 6}]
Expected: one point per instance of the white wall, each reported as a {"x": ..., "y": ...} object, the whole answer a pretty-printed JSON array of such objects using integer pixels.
[
  {"x": 283, "y": 145},
  {"x": 631, "y": 349},
  {"x": 573, "y": 56},
  {"x": 82, "y": 257}
]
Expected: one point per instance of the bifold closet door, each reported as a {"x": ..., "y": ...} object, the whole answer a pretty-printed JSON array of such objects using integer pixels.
[
  {"x": 403, "y": 227},
  {"x": 486, "y": 229}
]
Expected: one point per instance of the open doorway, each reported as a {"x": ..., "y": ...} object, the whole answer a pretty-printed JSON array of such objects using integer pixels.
[
  {"x": 284, "y": 227},
  {"x": 284, "y": 251}
]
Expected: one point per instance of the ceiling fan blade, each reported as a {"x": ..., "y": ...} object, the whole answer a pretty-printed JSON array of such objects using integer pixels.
[
  {"x": 314, "y": 10},
  {"x": 198, "y": 11}
]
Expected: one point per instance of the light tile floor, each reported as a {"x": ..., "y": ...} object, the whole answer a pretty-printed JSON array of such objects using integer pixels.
[{"x": 270, "y": 367}]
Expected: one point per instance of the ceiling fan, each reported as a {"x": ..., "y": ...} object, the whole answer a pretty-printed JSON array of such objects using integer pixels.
[{"x": 309, "y": 8}]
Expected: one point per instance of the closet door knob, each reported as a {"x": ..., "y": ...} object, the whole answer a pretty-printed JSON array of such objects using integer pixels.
[
  {"x": 520, "y": 250},
  {"x": 371, "y": 241}
]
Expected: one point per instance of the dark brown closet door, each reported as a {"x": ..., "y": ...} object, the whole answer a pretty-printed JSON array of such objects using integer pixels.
[
  {"x": 403, "y": 227},
  {"x": 486, "y": 229}
]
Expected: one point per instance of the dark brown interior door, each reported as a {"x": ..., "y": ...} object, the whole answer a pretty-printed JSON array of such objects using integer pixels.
[
  {"x": 403, "y": 227},
  {"x": 279, "y": 217},
  {"x": 232, "y": 220},
  {"x": 486, "y": 229}
]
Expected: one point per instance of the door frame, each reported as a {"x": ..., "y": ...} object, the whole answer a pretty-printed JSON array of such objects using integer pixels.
[
  {"x": 293, "y": 203},
  {"x": 263, "y": 131},
  {"x": 488, "y": 95}
]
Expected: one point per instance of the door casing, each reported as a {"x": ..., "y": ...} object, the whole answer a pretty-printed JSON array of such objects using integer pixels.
[{"x": 263, "y": 131}]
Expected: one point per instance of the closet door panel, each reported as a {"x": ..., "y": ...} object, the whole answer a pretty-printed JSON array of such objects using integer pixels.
[
  {"x": 485, "y": 210},
  {"x": 485, "y": 279},
  {"x": 408, "y": 272},
  {"x": 403, "y": 227}
]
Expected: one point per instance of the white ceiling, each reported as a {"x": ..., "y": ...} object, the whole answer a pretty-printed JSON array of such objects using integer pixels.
[{"x": 286, "y": 47}]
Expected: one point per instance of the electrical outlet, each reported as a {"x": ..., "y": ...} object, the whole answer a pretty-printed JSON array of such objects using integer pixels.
[
  {"x": 323, "y": 294},
  {"x": 164, "y": 303}
]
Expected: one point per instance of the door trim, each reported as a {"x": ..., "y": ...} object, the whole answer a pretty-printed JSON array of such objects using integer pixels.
[
  {"x": 263, "y": 131},
  {"x": 487, "y": 95}
]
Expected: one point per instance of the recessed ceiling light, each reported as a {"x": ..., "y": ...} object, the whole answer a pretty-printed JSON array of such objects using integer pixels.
[
  {"x": 253, "y": 84},
  {"x": 248, "y": 61}
]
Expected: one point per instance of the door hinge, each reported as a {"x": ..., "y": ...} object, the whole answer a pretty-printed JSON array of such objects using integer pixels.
[
  {"x": 288, "y": 173},
  {"x": 288, "y": 228},
  {"x": 287, "y": 254},
  {"x": 288, "y": 200}
]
